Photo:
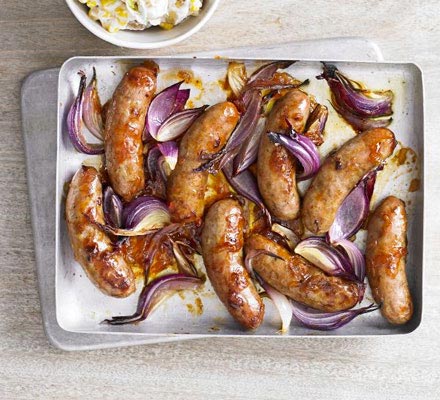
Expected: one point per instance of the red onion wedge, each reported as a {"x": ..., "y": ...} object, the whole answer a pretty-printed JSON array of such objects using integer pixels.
[
  {"x": 74, "y": 123},
  {"x": 361, "y": 124},
  {"x": 290, "y": 237},
  {"x": 303, "y": 149},
  {"x": 164, "y": 104},
  {"x": 318, "y": 252},
  {"x": 177, "y": 124},
  {"x": 186, "y": 266},
  {"x": 170, "y": 151},
  {"x": 92, "y": 109},
  {"x": 249, "y": 150},
  {"x": 153, "y": 293},
  {"x": 357, "y": 259},
  {"x": 323, "y": 321},
  {"x": 354, "y": 210},
  {"x": 267, "y": 71},
  {"x": 349, "y": 96},
  {"x": 112, "y": 207},
  {"x": 154, "y": 164},
  {"x": 142, "y": 216},
  {"x": 246, "y": 185},
  {"x": 316, "y": 124}
]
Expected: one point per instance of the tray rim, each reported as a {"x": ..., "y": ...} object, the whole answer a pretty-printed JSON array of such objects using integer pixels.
[{"x": 315, "y": 334}]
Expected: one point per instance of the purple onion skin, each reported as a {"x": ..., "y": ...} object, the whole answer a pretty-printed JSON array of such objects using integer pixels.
[
  {"x": 361, "y": 124},
  {"x": 151, "y": 295},
  {"x": 266, "y": 71},
  {"x": 74, "y": 123},
  {"x": 353, "y": 99},
  {"x": 317, "y": 320},
  {"x": 357, "y": 259},
  {"x": 112, "y": 207}
]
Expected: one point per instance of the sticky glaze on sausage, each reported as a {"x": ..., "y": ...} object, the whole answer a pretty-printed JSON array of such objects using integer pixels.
[
  {"x": 222, "y": 248},
  {"x": 92, "y": 248},
  {"x": 296, "y": 278},
  {"x": 207, "y": 136},
  {"x": 340, "y": 173},
  {"x": 385, "y": 256},
  {"x": 276, "y": 167},
  {"x": 124, "y": 123}
]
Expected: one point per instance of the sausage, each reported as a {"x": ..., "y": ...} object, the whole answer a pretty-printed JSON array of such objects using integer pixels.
[
  {"x": 275, "y": 166},
  {"x": 296, "y": 278},
  {"x": 207, "y": 136},
  {"x": 340, "y": 173},
  {"x": 92, "y": 248},
  {"x": 222, "y": 250},
  {"x": 385, "y": 258},
  {"x": 124, "y": 124}
]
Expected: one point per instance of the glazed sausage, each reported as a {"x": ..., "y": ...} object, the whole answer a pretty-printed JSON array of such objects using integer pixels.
[
  {"x": 385, "y": 256},
  {"x": 276, "y": 167},
  {"x": 222, "y": 249},
  {"x": 296, "y": 278},
  {"x": 340, "y": 173},
  {"x": 92, "y": 248},
  {"x": 124, "y": 123},
  {"x": 208, "y": 134}
]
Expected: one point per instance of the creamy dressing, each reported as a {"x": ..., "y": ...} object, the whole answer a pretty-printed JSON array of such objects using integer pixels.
[{"x": 115, "y": 15}]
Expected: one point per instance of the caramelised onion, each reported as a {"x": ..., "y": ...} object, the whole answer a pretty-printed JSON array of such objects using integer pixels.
[
  {"x": 349, "y": 96},
  {"x": 153, "y": 293},
  {"x": 318, "y": 252},
  {"x": 303, "y": 149},
  {"x": 170, "y": 151},
  {"x": 323, "y": 321},
  {"x": 237, "y": 77},
  {"x": 357, "y": 259},
  {"x": 156, "y": 240},
  {"x": 244, "y": 128},
  {"x": 245, "y": 185},
  {"x": 92, "y": 109},
  {"x": 290, "y": 237},
  {"x": 112, "y": 207},
  {"x": 249, "y": 150},
  {"x": 316, "y": 124},
  {"x": 142, "y": 216},
  {"x": 74, "y": 123},
  {"x": 177, "y": 124},
  {"x": 185, "y": 265},
  {"x": 168, "y": 101},
  {"x": 155, "y": 166},
  {"x": 353, "y": 210},
  {"x": 361, "y": 124},
  {"x": 266, "y": 71}
]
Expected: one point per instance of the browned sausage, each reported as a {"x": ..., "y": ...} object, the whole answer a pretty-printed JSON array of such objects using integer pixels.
[
  {"x": 296, "y": 278},
  {"x": 385, "y": 254},
  {"x": 340, "y": 173},
  {"x": 124, "y": 123},
  {"x": 208, "y": 134},
  {"x": 92, "y": 248},
  {"x": 222, "y": 249},
  {"x": 276, "y": 167}
]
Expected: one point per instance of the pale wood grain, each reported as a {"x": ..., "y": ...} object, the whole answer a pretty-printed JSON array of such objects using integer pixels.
[{"x": 36, "y": 35}]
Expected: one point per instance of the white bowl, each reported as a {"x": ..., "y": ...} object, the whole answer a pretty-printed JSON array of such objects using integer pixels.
[{"x": 151, "y": 38}]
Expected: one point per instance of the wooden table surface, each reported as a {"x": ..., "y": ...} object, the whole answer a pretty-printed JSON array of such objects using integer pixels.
[{"x": 37, "y": 35}]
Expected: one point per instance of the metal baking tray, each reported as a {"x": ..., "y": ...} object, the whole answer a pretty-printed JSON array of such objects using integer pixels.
[{"x": 80, "y": 306}]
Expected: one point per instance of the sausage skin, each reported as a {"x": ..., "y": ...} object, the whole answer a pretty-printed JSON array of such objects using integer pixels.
[
  {"x": 276, "y": 173},
  {"x": 92, "y": 248},
  {"x": 222, "y": 249},
  {"x": 298, "y": 279},
  {"x": 340, "y": 173},
  {"x": 207, "y": 135},
  {"x": 124, "y": 124},
  {"x": 385, "y": 257}
]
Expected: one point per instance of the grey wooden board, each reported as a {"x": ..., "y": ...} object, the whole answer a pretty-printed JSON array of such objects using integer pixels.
[{"x": 39, "y": 97}]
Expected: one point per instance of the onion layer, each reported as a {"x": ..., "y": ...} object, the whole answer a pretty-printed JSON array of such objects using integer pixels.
[
  {"x": 322, "y": 321},
  {"x": 92, "y": 109},
  {"x": 152, "y": 295},
  {"x": 112, "y": 207}
]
